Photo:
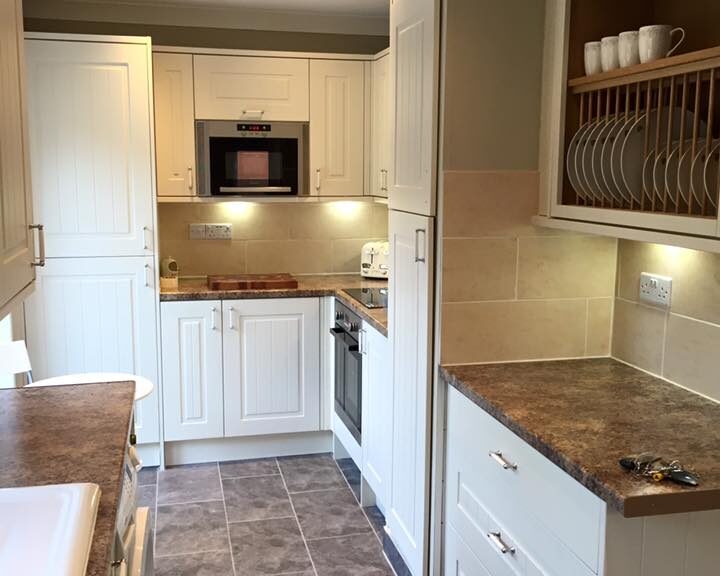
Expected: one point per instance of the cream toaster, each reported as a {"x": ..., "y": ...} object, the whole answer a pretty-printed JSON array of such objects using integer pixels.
[{"x": 375, "y": 260}]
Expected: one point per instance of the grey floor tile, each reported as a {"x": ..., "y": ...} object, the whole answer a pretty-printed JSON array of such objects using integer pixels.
[
  {"x": 257, "y": 498},
  {"x": 377, "y": 519},
  {"x": 247, "y": 468},
  {"x": 192, "y": 483},
  {"x": 268, "y": 547},
  {"x": 148, "y": 476},
  {"x": 393, "y": 555},
  {"x": 201, "y": 564},
  {"x": 350, "y": 555},
  {"x": 186, "y": 528},
  {"x": 146, "y": 497},
  {"x": 329, "y": 513},
  {"x": 352, "y": 475},
  {"x": 316, "y": 472}
]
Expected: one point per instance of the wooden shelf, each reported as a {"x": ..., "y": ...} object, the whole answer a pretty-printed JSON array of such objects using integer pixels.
[
  {"x": 672, "y": 66},
  {"x": 268, "y": 200}
]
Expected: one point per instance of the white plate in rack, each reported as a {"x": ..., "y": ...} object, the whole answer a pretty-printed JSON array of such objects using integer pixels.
[
  {"x": 686, "y": 178},
  {"x": 596, "y": 162},
  {"x": 570, "y": 162},
  {"x": 606, "y": 167},
  {"x": 579, "y": 164},
  {"x": 710, "y": 173}
]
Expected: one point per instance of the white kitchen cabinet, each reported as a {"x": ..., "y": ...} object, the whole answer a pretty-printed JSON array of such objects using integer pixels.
[
  {"x": 414, "y": 56},
  {"x": 91, "y": 146},
  {"x": 271, "y": 366},
  {"x": 16, "y": 242},
  {"x": 337, "y": 127},
  {"x": 381, "y": 158},
  {"x": 251, "y": 88},
  {"x": 410, "y": 332},
  {"x": 97, "y": 315},
  {"x": 459, "y": 559},
  {"x": 377, "y": 413},
  {"x": 192, "y": 369},
  {"x": 174, "y": 124}
]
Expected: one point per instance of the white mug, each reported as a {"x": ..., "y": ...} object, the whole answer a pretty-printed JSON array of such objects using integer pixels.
[
  {"x": 655, "y": 41},
  {"x": 609, "y": 53},
  {"x": 593, "y": 64},
  {"x": 629, "y": 49}
]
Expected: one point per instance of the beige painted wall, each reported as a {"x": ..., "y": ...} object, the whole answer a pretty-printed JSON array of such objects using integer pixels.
[
  {"x": 681, "y": 344},
  {"x": 271, "y": 238}
]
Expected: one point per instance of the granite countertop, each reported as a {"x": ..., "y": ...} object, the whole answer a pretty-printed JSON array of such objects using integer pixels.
[
  {"x": 64, "y": 434},
  {"x": 584, "y": 415},
  {"x": 308, "y": 286}
]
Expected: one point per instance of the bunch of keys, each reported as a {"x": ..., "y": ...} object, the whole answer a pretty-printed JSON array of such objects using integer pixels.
[{"x": 648, "y": 465}]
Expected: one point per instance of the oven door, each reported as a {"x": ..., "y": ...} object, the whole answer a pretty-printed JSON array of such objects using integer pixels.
[{"x": 348, "y": 381}]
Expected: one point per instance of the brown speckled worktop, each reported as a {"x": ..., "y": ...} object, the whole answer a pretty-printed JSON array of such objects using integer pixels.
[
  {"x": 308, "y": 287},
  {"x": 584, "y": 415},
  {"x": 64, "y": 434}
]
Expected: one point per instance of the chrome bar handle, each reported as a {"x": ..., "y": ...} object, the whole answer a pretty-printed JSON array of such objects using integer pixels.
[
  {"x": 148, "y": 276},
  {"x": 213, "y": 325},
  {"x": 363, "y": 341},
  {"x": 146, "y": 244},
  {"x": 417, "y": 245},
  {"x": 496, "y": 538},
  {"x": 231, "y": 318},
  {"x": 190, "y": 182},
  {"x": 500, "y": 459},
  {"x": 253, "y": 113},
  {"x": 383, "y": 180},
  {"x": 40, "y": 261},
  {"x": 317, "y": 179}
]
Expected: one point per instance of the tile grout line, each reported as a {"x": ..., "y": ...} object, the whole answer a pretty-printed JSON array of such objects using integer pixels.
[
  {"x": 185, "y": 503},
  {"x": 321, "y": 538},
  {"x": 297, "y": 520},
  {"x": 260, "y": 520},
  {"x": 227, "y": 523},
  {"x": 193, "y": 553}
]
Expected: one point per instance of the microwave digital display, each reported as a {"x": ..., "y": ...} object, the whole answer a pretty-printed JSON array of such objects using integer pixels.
[{"x": 253, "y": 127}]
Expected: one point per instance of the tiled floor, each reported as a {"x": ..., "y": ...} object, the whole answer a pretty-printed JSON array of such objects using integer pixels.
[{"x": 292, "y": 516}]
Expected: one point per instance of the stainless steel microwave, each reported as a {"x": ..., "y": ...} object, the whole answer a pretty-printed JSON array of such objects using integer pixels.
[{"x": 251, "y": 158}]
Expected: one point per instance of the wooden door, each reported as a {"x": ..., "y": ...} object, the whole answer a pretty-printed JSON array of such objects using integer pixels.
[
  {"x": 91, "y": 147},
  {"x": 174, "y": 124},
  {"x": 192, "y": 369},
  {"x": 271, "y": 354},
  {"x": 337, "y": 122},
  {"x": 380, "y": 129},
  {"x": 16, "y": 241},
  {"x": 414, "y": 54},
  {"x": 410, "y": 332},
  {"x": 97, "y": 315}
]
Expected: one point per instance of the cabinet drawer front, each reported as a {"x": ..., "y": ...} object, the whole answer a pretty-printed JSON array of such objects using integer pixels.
[
  {"x": 234, "y": 87},
  {"x": 557, "y": 520},
  {"x": 459, "y": 559}
]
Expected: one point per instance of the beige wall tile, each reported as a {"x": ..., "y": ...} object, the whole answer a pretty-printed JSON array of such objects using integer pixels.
[
  {"x": 691, "y": 355},
  {"x": 479, "y": 269},
  {"x": 292, "y": 256},
  {"x": 638, "y": 334},
  {"x": 202, "y": 257},
  {"x": 497, "y": 331},
  {"x": 566, "y": 267},
  {"x": 599, "y": 326},
  {"x": 380, "y": 221},
  {"x": 344, "y": 219}
]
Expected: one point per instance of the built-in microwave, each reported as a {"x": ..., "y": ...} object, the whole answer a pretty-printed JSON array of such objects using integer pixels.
[{"x": 251, "y": 158}]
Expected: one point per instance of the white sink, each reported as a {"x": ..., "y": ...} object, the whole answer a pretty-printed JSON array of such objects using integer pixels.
[{"x": 47, "y": 529}]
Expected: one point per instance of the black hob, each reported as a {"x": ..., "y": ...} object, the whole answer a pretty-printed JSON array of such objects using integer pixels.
[{"x": 370, "y": 297}]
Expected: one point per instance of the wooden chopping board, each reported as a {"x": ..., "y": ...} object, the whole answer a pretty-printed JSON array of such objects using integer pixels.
[{"x": 253, "y": 282}]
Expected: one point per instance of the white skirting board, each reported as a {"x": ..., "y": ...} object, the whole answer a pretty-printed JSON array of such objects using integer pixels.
[
  {"x": 224, "y": 449},
  {"x": 149, "y": 454}
]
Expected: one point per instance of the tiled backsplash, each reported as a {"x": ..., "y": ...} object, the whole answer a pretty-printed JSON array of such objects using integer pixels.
[
  {"x": 681, "y": 344},
  {"x": 296, "y": 238},
  {"x": 512, "y": 291}
]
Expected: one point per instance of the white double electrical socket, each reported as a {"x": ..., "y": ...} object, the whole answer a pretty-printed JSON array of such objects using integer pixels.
[
  {"x": 210, "y": 231},
  {"x": 197, "y": 231},
  {"x": 655, "y": 289}
]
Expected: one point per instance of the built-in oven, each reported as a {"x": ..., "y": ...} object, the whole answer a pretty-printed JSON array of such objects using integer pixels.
[
  {"x": 250, "y": 158},
  {"x": 348, "y": 369}
]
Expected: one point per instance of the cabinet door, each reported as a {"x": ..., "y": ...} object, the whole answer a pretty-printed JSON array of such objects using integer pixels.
[
  {"x": 414, "y": 53},
  {"x": 337, "y": 96},
  {"x": 97, "y": 315},
  {"x": 16, "y": 246},
  {"x": 174, "y": 124},
  {"x": 459, "y": 559},
  {"x": 271, "y": 354},
  {"x": 91, "y": 147},
  {"x": 377, "y": 406},
  {"x": 380, "y": 130},
  {"x": 410, "y": 331},
  {"x": 239, "y": 87},
  {"x": 192, "y": 369}
]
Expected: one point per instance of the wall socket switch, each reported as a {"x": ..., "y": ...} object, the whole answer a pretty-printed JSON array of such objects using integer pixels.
[
  {"x": 218, "y": 231},
  {"x": 197, "y": 231},
  {"x": 655, "y": 289}
]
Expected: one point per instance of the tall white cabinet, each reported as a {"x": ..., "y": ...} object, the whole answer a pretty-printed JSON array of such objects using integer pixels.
[
  {"x": 16, "y": 240},
  {"x": 91, "y": 148},
  {"x": 380, "y": 153}
]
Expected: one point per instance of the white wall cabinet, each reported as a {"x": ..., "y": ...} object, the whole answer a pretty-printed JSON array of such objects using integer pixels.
[
  {"x": 91, "y": 146},
  {"x": 174, "y": 124},
  {"x": 380, "y": 149},
  {"x": 377, "y": 413},
  {"x": 97, "y": 315},
  {"x": 251, "y": 88},
  {"x": 337, "y": 126},
  {"x": 271, "y": 361},
  {"x": 16, "y": 243},
  {"x": 192, "y": 369},
  {"x": 410, "y": 332},
  {"x": 414, "y": 55}
]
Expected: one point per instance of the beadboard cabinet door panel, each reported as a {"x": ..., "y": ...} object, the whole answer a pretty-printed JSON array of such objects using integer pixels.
[
  {"x": 91, "y": 147},
  {"x": 381, "y": 158}
]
